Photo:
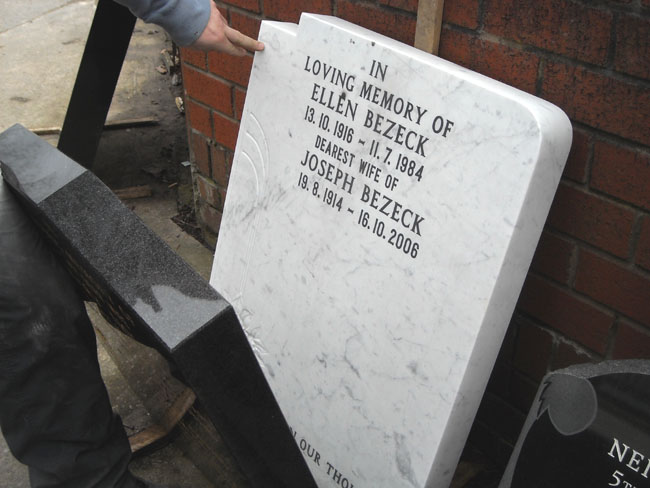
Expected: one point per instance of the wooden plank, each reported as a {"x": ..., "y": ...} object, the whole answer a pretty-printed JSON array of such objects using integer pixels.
[
  {"x": 141, "y": 191},
  {"x": 156, "y": 434},
  {"x": 429, "y": 25},
  {"x": 109, "y": 125},
  {"x": 149, "y": 375}
]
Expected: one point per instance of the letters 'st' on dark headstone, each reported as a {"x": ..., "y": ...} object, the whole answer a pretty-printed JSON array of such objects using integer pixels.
[
  {"x": 149, "y": 292},
  {"x": 589, "y": 426}
]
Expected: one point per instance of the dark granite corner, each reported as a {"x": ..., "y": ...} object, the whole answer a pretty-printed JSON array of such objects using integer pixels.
[
  {"x": 230, "y": 369},
  {"x": 589, "y": 426},
  {"x": 149, "y": 292}
]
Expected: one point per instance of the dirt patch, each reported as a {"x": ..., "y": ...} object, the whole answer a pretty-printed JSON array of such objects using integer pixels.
[{"x": 186, "y": 220}]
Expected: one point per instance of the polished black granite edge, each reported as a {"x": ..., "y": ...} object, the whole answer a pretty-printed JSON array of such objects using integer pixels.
[
  {"x": 165, "y": 292},
  {"x": 230, "y": 370},
  {"x": 149, "y": 292}
]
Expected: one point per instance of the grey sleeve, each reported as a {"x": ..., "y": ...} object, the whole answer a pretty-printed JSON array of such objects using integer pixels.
[{"x": 184, "y": 20}]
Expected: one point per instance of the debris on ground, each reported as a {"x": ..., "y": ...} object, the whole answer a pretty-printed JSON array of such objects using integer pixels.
[
  {"x": 186, "y": 220},
  {"x": 180, "y": 105}
]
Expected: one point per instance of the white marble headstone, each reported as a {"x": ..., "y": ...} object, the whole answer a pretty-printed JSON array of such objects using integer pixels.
[{"x": 382, "y": 211}]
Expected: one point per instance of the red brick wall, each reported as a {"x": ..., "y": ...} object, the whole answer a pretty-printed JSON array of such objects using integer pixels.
[{"x": 587, "y": 295}]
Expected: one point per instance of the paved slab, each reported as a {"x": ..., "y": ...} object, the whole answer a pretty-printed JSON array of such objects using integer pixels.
[{"x": 39, "y": 59}]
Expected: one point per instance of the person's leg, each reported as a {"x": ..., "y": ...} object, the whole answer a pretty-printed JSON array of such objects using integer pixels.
[{"x": 54, "y": 409}]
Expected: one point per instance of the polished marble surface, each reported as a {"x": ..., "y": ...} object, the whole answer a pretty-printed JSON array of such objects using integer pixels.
[{"x": 382, "y": 211}]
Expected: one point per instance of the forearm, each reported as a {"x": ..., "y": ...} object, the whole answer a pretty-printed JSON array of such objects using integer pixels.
[{"x": 184, "y": 20}]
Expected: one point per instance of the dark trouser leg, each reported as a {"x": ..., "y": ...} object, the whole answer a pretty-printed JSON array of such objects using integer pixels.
[{"x": 54, "y": 409}]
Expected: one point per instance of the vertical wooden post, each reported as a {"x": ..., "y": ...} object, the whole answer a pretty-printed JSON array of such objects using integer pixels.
[{"x": 429, "y": 25}]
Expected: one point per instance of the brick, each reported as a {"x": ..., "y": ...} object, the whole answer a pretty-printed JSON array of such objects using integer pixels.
[
  {"x": 632, "y": 342},
  {"x": 560, "y": 26},
  {"x": 251, "y": 5},
  {"x": 233, "y": 68},
  {"x": 499, "y": 379},
  {"x": 593, "y": 219},
  {"x": 485, "y": 440},
  {"x": 465, "y": 14},
  {"x": 633, "y": 46},
  {"x": 622, "y": 173},
  {"x": 290, "y": 10},
  {"x": 612, "y": 105},
  {"x": 553, "y": 257},
  {"x": 400, "y": 26},
  {"x": 208, "y": 191},
  {"x": 533, "y": 351},
  {"x": 209, "y": 90},
  {"x": 199, "y": 117},
  {"x": 514, "y": 67},
  {"x": 618, "y": 287},
  {"x": 194, "y": 57},
  {"x": 565, "y": 312},
  {"x": 568, "y": 355},
  {"x": 500, "y": 416},
  {"x": 240, "y": 98},
  {"x": 408, "y": 5},
  {"x": 643, "y": 245},
  {"x": 577, "y": 163},
  {"x": 221, "y": 164},
  {"x": 522, "y": 391},
  {"x": 245, "y": 24},
  {"x": 210, "y": 217},
  {"x": 225, "y": 130},
  {"x": 507, "y": 351},
  {"x": 201, "y": 153}
]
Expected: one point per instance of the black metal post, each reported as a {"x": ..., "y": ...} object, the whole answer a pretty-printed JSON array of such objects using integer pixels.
[{"x": 99, "y": 70}]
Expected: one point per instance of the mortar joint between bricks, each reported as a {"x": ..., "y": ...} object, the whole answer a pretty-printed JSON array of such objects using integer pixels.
[
  {"x": 611, "y": 337},
  {"x": 636, "y": 235},
  {"x": 480, "y": 22}
]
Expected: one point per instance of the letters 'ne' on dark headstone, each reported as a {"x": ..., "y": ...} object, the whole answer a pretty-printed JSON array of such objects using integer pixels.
[
  {"x": 149, "y": 292},
  {"x": 589, "y": 426}
]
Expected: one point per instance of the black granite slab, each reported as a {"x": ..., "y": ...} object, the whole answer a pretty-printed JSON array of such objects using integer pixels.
[
  {"x": 149, "y": 292},
  {"x": 589, "y": 426}
]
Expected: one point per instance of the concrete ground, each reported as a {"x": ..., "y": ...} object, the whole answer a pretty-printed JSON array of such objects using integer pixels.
[{"x": 41, "y": 43}]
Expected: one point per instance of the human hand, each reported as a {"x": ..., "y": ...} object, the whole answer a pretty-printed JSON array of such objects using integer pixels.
[{"x": 219, "y": 36}]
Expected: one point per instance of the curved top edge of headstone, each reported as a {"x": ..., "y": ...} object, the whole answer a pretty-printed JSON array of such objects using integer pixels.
[
  {"x": 588, "y": 370},
  {"x": 550, "y": 118}
]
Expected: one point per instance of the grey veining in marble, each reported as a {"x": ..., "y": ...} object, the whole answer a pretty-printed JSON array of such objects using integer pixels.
[{"x": 382, "y": 211}]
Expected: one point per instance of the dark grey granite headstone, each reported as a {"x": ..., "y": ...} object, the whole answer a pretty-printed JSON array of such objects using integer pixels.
[
  {"x": 589, "y": 426},
  {"x": 150, "y": 293}
]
